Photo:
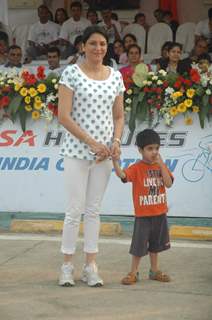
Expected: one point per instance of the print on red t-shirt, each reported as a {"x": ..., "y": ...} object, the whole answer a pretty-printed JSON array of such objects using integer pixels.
[{"x": 149, "y": 193}]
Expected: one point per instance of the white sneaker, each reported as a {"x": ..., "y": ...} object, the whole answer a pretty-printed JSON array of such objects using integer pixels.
[
  {"x": 90, "y": 275},
  {"x": 66, "y": 275}
]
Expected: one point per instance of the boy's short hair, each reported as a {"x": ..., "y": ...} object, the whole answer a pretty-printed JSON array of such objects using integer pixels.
[{"x": 146, "y": 137}]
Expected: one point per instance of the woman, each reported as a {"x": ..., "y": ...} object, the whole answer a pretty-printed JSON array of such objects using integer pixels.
[
  {"x": 128, "y": 40},
  {"x": 91, "y": 110},
  {"x": 173, "y": 62},
  {"x": 134, "y": 58},
  {"x": 118, "y": 49},
  {"x": 60, "y": 16},
  {"x": 92, "y": 16},
  {"x": 78, "y": 57}
]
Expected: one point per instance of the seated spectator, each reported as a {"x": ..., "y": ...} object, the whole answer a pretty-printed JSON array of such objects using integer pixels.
[
  {"x": 4, "y": 43},
  {"x": 78, "y": 57},
  {"x": 200, "y": 48},
  {"x": 53, "y": 58},
  {"x": 204, "y": 62},
  {"x": 158, "y": 14},
  {"x": 164, "y": 53},
  {"x": 72, "y": 28},
  {"x": 14, "y": 57},
  {"x": 60, "y": 16},
  {"x": 204, "y": 29},
  {"x": 42, "y": 34},
  {"x": 108, "y": 61},
  {"x": 8, "y": 31},
  {"x": 173, "y": 24},
  {"x": 173, "y": 62},
  {"x": 134, "y": 58},
  {"x": 112, "y": 27},
  {"x": 140, "y": 18},
  {"x": 92, "y": 16},
  {"x": 128, "y": 40},
  {"x": 118, "y": 49},
  {"x": 114, "y": 16}
]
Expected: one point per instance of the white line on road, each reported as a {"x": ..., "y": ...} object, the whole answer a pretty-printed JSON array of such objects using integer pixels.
[{"x": 32, "y": 237}]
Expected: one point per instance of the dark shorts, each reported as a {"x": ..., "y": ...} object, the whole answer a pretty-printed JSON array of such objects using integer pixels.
[{"x": 150, "y": 234}]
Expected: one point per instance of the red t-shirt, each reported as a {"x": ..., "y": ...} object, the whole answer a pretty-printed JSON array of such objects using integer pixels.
[{"x": 149, "y": 193}]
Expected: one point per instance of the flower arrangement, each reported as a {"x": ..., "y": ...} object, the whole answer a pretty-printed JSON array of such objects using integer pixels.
[
  {"x": 27, "y": 94},
  {"x": 163, "y": 96}
]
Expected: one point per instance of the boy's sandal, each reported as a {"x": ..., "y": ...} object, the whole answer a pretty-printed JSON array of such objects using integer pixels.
[
  {"x": 159, "y": 276},
  {"x": 131, "y": 278}
]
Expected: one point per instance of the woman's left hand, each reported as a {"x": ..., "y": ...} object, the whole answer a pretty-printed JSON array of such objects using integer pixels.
[{"x": 115, "y": 151}]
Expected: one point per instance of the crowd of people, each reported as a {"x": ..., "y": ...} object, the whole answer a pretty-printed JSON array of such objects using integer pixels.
[{"x": 55, "y": 37}]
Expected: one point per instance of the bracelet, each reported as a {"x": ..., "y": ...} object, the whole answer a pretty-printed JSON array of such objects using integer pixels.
[{"x": 117, "y": 140}]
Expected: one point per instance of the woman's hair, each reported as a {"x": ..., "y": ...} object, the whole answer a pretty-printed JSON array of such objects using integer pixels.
[
  {"x": 89, "y": 31},
  {"x": 130, "y": 35},
  {"x": 166, "y": 45},
  {"x": 77, "y": 40},
  {"x": 56, "y": 12},
  {"x": 134, "y": 46},
  {"x": 118, "y": 41},
  {"x": 175, "y": 44}
]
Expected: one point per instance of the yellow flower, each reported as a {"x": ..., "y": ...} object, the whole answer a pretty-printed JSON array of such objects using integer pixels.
[
  {"x": 190, "y": 93},
  {"x": 17, "y": 87},
  {"x": 41, "y": 88},
  {"x": 37, "y": 99},
  {"x": 28, "y": 108},
  {"x": 188, "y": 121},
  {"x": 188, "y": 103},
  {"x": 195, "y": 109},
  {"x": 129, "y": 91},
  {"x": 33, "y": 92},
  {"x": 37, "y": 105},
  {"x": 181, "y": 107},
  {"x": 176, "y": 94},
  {"x": 27, "y": 99},
  {"x": 173, "y": 111},
  {"x": 35, "y": 115},
  {"x": 23, "y": 92}
]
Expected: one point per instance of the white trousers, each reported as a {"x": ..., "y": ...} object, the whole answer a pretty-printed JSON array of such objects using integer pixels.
[{"x": 85, "y": 184}]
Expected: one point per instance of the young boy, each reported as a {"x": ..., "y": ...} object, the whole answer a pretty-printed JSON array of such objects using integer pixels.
[{"x": 149, "y": 178}]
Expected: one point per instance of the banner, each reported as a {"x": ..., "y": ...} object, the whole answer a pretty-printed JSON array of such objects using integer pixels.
[{"x": 31, "y": 170}]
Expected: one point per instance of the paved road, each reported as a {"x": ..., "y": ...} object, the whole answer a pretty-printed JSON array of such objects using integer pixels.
[{"x": 29, "y": 266}]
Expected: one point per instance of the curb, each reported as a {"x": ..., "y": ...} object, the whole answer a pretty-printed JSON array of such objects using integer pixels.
[
  {"x": 107, "y": 229},
  {"x": 54, "y": 226},
  {"x": 190, "y": 232}
]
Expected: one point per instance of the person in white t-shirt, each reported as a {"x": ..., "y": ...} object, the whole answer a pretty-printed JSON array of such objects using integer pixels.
[
  {"x": 73, "y": 27},
  {"x": 204, "y": 29},
  {"x": 53, "y": 58},
  {"x": 42, "y": 34},
  {"x": 112, "y": 27}
]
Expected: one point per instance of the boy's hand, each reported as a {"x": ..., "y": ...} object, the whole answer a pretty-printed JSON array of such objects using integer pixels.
[
  {"x": 115, "y": 151},
  {"x": 159, "y": 160}
]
